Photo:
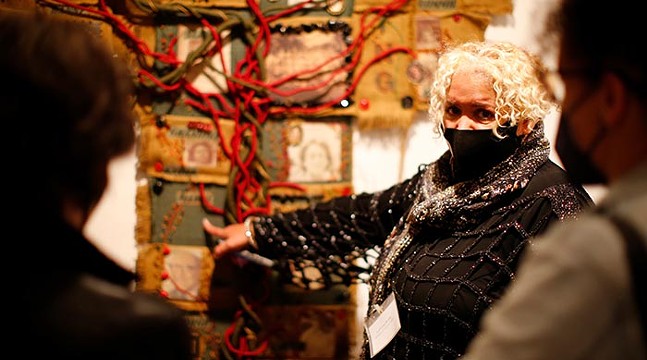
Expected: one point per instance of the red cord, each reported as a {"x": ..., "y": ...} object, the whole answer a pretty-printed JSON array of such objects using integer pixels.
[{"x": 242, "y": 100}]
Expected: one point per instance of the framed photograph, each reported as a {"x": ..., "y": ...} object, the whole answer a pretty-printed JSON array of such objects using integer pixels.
[{"x": 306, "y": 64}]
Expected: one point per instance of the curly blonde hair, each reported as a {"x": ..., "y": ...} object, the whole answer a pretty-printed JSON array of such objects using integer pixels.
[{"x": 518, "y": 80}]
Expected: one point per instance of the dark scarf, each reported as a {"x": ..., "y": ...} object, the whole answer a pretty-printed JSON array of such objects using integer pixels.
[{"x": 443, "y": 206}]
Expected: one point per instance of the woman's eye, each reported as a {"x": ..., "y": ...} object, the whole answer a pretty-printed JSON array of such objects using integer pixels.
[
  {"x": 452, "y": 111},
  {"x": 485, "y": 115}
]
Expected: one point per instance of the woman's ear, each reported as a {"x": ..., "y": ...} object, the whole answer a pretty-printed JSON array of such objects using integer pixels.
[{"x": 524, "y": 127}]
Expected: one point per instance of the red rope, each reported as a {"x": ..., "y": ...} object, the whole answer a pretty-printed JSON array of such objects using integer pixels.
[
  {"x": 242, "y": 101},
  {"x": 243, "y": 349}
]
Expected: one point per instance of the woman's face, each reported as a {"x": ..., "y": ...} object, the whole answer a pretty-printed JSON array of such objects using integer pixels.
[
  {"x": 316, "y": 157},
  {"x": 202, "y": 154},
  {"x": 470, "y": 101}
]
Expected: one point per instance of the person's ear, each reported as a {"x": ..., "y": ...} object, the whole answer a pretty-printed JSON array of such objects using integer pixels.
[
  {"x": 615, "y": 99},
  {"x": 524, "y": 127}
]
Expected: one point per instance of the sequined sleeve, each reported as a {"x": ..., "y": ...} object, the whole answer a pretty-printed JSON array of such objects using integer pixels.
[{"x": 330, "y": 243}]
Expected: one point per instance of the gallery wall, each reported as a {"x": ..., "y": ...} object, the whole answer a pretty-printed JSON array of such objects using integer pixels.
[{"x": 380, "y": 157}]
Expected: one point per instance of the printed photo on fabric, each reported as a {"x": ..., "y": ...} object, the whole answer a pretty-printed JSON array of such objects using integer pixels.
[
  {"x": 309, "y": 150},
  {"x": 428, "y": 33},
  {"x": 306, "y": 64},
  {"x": 181, "y": 274},
  {"x": 313, "y": 156},
  {"x": 317, "y": 157}
]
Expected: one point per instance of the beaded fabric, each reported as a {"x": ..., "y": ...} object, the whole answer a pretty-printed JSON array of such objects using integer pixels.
[
  {"x": 455, "y": 246},
  {"x": 462, "y": 206}
]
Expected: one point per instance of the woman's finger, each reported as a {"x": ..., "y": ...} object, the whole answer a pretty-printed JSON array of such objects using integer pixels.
[{"x": 212, "y": 229}]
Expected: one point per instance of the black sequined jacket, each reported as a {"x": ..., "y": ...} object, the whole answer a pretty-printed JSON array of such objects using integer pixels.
[{"x": 454, "y": 265}]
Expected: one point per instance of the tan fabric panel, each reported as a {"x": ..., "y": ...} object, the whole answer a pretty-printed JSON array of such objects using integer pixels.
[
  {"x": 458, "y": 27},
  {"x": 181, "y": 273},
  {"x": 493, "y": 7},
  {"x": 384, "y": 86},
  {"x": 144, "y": 206},
  {"x": 186, "y": 148}
]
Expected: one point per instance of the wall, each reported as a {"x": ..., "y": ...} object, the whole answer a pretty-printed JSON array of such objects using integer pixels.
[{"x": 380, "y": 159}]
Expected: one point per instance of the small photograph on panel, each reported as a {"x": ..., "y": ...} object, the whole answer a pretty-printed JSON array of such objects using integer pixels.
[
  {"x": 183, "y": 264},
  {"x": 317, "y": 156}
]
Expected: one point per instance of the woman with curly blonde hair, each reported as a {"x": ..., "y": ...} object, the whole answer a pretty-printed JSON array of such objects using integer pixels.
[
  {"x": 449, "y": 238},
  {"x": 520, "y": 95}
]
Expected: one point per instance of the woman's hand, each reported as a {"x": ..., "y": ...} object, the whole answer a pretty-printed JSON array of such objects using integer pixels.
[{"x": 233, "y": 237}]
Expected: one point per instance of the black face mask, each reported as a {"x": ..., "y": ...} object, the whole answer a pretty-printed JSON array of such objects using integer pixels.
[
  {"x": 576, "y": 162},
  {"x": 474, "y": 152}
]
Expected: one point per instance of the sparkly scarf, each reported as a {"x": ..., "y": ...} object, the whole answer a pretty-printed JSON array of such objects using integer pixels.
[{"x": 442, "y": 206}]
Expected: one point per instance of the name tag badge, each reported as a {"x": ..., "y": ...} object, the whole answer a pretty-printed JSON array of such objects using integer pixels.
[{"x": 382, "y": 325}]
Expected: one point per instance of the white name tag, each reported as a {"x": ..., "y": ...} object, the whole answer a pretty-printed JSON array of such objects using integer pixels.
[{"x": 382, "y": 325}]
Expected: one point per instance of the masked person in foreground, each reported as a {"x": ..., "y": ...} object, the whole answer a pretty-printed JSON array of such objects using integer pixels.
[
  {"x": 68, "y": 105},
  {"x": 577, "y": 295},
  {"x": 449, "y": 238}
]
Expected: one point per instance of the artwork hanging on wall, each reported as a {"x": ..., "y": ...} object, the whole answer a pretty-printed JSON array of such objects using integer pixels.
[
  {"x": 186, "y": 148},
  {"x": 306, "y": 64},
  {"x": 308, "y": 331},
  {"x": 384, "y": 96},
  {"x": 182, "y": 274},
  {"x": 318, "y": 156},
  {"x": 313, "y": 154},
  {"x": 206, "y": 75},
  {"x": 176, "y": 209},
  {"x": 309, "y": 150}
]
